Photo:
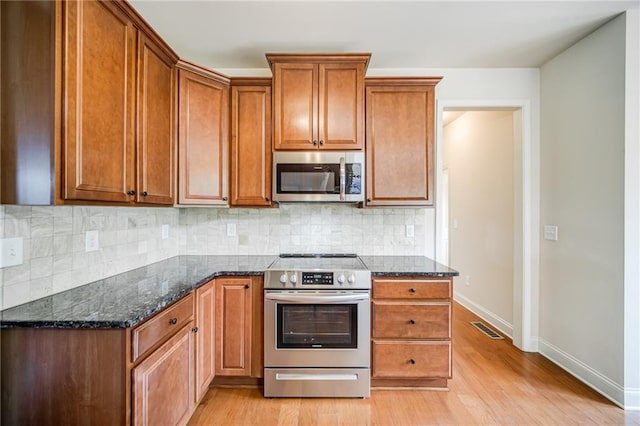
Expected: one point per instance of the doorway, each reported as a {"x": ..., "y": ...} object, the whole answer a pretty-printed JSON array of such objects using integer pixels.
[
  {"x": 514, "y": 310},
  {"x": 478, "y": 200}
]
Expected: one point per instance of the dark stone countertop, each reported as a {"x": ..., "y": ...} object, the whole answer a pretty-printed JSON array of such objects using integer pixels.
[
  {"x": 127, "y": 299},
  {"x": 405, "y": 266}
]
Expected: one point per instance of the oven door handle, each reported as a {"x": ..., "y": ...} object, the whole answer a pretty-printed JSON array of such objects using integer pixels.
[{"x": 339, "y": 298}]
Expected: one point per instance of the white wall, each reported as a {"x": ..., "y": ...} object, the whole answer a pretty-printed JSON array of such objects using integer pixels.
[
  {"x": 582, "y": 192},
  {"x": 632, "y": 213},
  {"x": 478, "y": 153}
]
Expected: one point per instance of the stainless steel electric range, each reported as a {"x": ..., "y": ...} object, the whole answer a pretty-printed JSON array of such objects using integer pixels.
[{"x": 317, "y": 326}]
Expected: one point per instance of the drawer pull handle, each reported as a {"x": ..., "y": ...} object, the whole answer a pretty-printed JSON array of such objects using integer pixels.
[
  {"x": 412, "y": 321},
  {"x": 413, "y": 290},
  {"x": 412, "y": 361},
  {"x": 173, "y": 321},
  {"x": 195, "y": 329}
]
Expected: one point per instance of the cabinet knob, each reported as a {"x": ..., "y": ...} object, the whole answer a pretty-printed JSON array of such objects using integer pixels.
[
  {"x": 195, "y": 329},
  {"x": 412, "y": 321},
  {"x": 246, "y": 286},
  {"x": 412, "y": 361},
  {"x": 314, "y": 143},
  {"x": 224, "y": 198},
  {"x": 368, "y": 200},
  {"x": 173, "y": 321},
  {"x": 321, "y": 142},
  {"x": 413, "y": 290},
  {"x": 144, "y": 193},
  {"x": 132, "y": 192},
  {"x": 266, "y": 198}
]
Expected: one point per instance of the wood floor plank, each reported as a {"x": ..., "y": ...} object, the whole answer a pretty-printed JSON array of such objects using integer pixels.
[{"x": 493, "y": 383}]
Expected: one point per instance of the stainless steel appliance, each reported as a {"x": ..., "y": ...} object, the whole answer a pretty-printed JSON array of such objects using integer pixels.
[
  {"x": 317, "y": 327},
  {"x": 321, "y": 176}
]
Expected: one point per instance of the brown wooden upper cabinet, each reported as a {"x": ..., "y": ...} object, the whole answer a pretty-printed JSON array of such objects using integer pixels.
[
  {"x": 103, "y": 53},
  {"x": 251, "y": 142},
  {"x": 202, "y": 136},
  {"x": 95, "y": 85},
  {"x": 400, "y": 141},
  {"x": 318, "y": 100}
]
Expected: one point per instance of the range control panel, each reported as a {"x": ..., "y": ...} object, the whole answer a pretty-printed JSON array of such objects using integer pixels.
[
  {"x": 278, "y": 279},
  {"x": 312, "y": 278}
]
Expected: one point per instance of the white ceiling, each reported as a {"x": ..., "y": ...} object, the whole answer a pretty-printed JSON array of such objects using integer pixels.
[{"x": 227, "y": 35}]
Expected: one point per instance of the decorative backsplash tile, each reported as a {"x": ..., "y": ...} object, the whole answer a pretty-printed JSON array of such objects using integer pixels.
[
  {"x": 55, "y": 259},
  {"x": 54, "y": 246}
]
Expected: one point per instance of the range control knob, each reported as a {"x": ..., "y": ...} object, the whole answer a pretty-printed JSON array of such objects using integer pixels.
[
  {"x": 341, "y": 279},
  {"x": 351, "y": 279},
  {"x": 284, "y": 278},
  {"x": 293, "y": 278}
]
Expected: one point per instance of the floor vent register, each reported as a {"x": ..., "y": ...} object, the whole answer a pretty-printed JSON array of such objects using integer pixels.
[{"x": 486, "y": 330}]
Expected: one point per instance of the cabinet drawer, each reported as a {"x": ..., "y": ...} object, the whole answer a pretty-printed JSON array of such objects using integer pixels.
[
  {"x": 161, "y": 326},
  {"x": 411, "y": 359},
  {"x": 412, "y": 289},
  {"x": 429, "y": 320}
]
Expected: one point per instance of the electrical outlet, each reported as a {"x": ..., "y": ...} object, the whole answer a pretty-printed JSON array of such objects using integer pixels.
[
  {"x": 91, "y": 241},
  {"x": 409, "y": 231},
  {"x": 11, "y": 252},
  {"x": 165, "y": 287},
  {"x": 165, "y": 231},
  {"x": 231, "y": 229}
]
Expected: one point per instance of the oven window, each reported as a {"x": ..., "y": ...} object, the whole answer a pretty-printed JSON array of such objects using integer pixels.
[{"x": 317, "y": 326}]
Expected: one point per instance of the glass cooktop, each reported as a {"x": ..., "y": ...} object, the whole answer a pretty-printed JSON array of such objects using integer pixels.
[{"x": 322, "y": 261}]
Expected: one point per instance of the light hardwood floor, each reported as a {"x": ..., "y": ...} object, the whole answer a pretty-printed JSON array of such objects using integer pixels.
[{"x": 493, "y": 383}]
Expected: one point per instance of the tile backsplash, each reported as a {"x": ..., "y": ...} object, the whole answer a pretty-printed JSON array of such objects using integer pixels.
[{"x": 130, "y": 237}]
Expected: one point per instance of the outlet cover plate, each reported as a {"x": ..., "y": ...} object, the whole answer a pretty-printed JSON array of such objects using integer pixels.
[
  {"x": 92, "y": 241},
  {"x": 11, "y": 252}
]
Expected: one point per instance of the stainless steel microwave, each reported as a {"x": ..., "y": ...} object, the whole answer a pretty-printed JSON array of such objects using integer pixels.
[{"x": 322, "y": 176}]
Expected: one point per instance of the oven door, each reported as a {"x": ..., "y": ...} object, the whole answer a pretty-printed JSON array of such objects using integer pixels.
[{"x": 317, "y": 328}]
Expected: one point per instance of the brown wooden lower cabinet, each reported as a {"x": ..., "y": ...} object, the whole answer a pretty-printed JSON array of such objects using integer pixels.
[
  {"x": 163, "y": 384},
  {"x": 205, "y": 338},
  {"x": 411, "y": 332}
]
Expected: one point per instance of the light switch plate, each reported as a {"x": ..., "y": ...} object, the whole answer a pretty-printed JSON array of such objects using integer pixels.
[
  {"x": 11, "y": 252},
  {"x": 409, "y": 231},
  {"x": 231, "y": 229},
  {"x": 551, "y": 232},
  {"x": 165, "y": 231},
  {"x": 91, "y": 241}
]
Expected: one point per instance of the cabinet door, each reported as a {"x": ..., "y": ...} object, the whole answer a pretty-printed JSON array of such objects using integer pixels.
[
  {"x": 205, "y": 338},
  {"x": 295, "y": 106},
  {"x": 155, "y": 139},
  {"x": 202, "y": 140},
  {"x": 98, "y": 102},
  {"x": 251, "y": 145},
  {"x": 233, "y": 326},
  {"x": 163, "y": 389},
  {"x": 341, "y": 106},
  {"x": 400, "y": 145}
]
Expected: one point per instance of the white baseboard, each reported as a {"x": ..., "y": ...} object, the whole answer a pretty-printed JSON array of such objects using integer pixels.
[
  {"x": 503, "y": 326},
  {"x": 632, "y": 399},
  {"x": 600, "y": 383}
]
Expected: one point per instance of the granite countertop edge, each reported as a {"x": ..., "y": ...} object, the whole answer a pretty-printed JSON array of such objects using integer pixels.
[{"x": 392, "y": 266}]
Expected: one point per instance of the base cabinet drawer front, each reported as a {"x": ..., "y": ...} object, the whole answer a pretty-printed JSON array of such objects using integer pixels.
[
  {"x": 412, "y": 289},
  {"x": 411, "y": 359},
  {"x": 163, "y": 384},
  {"x": 161, "y": 326},
  {"x": 411, "y": 321}
]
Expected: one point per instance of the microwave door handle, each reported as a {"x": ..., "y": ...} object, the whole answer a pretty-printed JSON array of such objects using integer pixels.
[{"x": 343, "y": 178}]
